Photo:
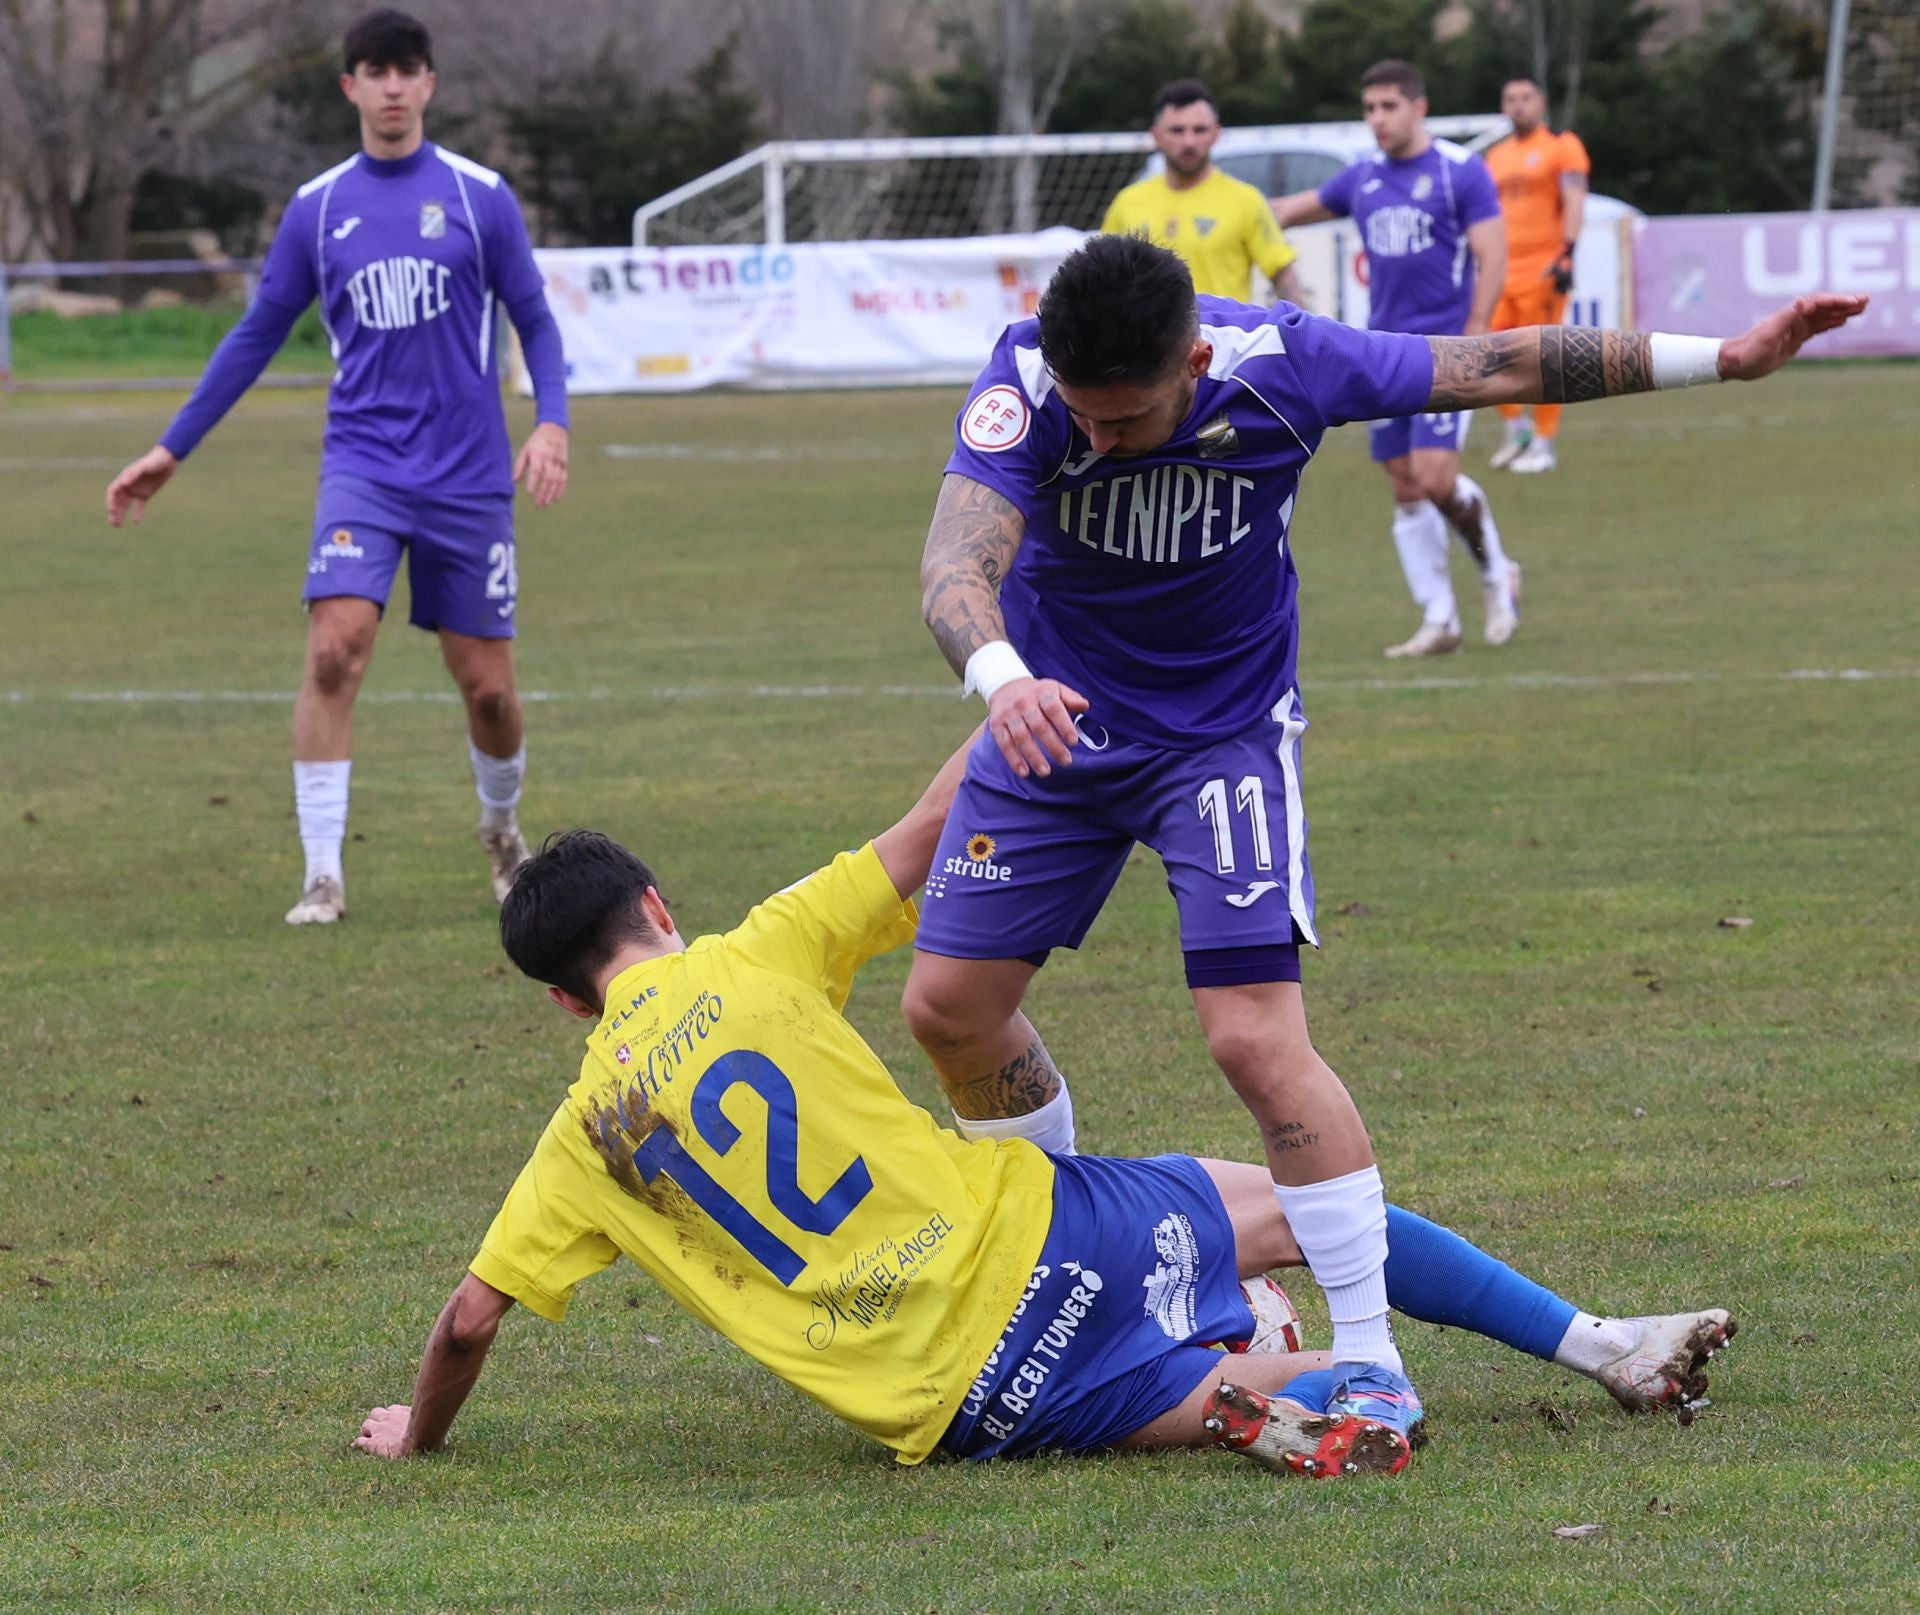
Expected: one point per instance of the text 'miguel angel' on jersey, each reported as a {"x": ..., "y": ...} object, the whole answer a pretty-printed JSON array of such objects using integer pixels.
[
  {"x": 732, "y": 1133},
  {"x": 411, "y": 260},
  {"x": 1162, "y": 587}
]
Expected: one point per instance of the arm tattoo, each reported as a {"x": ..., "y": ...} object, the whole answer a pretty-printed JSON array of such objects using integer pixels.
[
  {"x": 1577, "y": 364},
  {"x": 1021, "y": 1086},
  {"x": 1549, "y": 364},
  {"x": 1466, "y": 367},
  {"x": 970, "y": 547}
]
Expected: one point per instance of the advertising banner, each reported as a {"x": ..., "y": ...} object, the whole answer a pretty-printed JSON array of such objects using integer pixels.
[
  {"x": 1714, "y": 276},
  {"x": 863, "y": 313}
]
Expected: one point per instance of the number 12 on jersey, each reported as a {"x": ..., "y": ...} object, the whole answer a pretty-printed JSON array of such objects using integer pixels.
[{"x": 662, "y": 1152}]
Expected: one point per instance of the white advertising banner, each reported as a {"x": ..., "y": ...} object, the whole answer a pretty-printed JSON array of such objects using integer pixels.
[{"x": 842, "y": 313}]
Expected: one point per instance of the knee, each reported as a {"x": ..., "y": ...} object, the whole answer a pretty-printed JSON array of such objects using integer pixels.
[
  {"x": 490, "y": 700},
  {"x": 1407, "y": 491},
  {"x": 1257, "y": 1058},
  {"x": 1438, "y": 486},
  {"x": 941, "y": 1019},
  {"x": 336, "y": 663}
]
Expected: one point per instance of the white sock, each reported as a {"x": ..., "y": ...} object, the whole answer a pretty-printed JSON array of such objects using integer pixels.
[
  {"x": 1340, "y": 1226},
  {"x": 320, "y": 804},
  {"x": 1051, "y": 1126},
  {"x": 1496, "y": 564},
  {"x": 497, "y": 782},
  {"x": 1591, "y": 1343},
  {"x": 1420, "y": 535}
]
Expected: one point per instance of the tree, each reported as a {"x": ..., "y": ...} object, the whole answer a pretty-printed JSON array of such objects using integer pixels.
[
  {"x": 593, "y": 145},
  {"x": 94, "y": 93}
]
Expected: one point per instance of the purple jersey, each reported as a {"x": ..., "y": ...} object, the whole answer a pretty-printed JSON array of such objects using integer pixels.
[
  {"x": 1162, "y": 587},
  {"x": 411, "y": 261},
  {"x": 1413, "y": 217}
]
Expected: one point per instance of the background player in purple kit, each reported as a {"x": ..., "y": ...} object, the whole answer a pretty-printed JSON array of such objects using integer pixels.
[
  {"x": 1436, "y": 245},
  {"x": 1109, "y": 566},
  {"x": 410, "y": 250}
]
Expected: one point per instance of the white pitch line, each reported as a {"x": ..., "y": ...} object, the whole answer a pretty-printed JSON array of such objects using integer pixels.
[{"x": 948, "y": 692}]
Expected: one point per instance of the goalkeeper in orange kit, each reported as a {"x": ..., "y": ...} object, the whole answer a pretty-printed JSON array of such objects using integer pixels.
[{"x": 1542, "y": 180}]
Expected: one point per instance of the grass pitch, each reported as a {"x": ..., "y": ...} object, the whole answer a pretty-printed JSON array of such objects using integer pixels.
[{"x": 241, "y": 1166}]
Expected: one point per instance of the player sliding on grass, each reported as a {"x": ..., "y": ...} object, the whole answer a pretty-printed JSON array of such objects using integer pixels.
[
  {"x": 732, "y": 1134},
  {"x": 413, "y": 253},
  {"x": 1108, "y": 566}
]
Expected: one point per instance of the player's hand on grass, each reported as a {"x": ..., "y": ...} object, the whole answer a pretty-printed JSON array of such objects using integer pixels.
[
  {"x": 543, "y": 463},
  {"x": 1776, "y": 339},
  {"x": 384, "y": 1432},
  {"x": 138, "y": 483},
  {"x": 1032, "y": 723}
]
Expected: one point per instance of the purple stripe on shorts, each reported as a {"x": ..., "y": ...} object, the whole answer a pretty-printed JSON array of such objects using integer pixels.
[{"x": 1239, "y": 967}]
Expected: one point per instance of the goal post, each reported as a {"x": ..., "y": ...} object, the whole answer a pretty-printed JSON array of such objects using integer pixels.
[{"x": 908, "y": 188}]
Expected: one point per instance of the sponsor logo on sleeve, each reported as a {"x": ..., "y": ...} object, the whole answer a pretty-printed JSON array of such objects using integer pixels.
[{"x": 996, "y": 421}]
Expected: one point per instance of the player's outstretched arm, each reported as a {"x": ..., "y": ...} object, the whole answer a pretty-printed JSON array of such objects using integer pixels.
[
  {"x": 906, "y": 848},
  {"x": 970, "y": 548},
  {"x": 1302, "y": 207},
  {"x": 456, "y": 1352},
  {"x": 1556, "y": 364}
]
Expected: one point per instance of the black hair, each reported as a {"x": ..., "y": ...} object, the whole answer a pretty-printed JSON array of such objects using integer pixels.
[
  {"x": 1118, "y": 309},
  {"x": 388, "y": 39},
  {"x": 1180, "y": 93},
  {"x": 571, "y": 906},
  {"x": 1403, "y": 76},
  {"x": 1523, "y": 78}
]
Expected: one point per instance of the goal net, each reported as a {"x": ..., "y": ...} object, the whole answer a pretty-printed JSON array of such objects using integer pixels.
[{"x": 1876, "y": 148}]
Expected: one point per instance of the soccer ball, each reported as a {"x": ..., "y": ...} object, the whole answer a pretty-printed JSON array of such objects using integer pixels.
[{"x": 1276, "y": 1325}]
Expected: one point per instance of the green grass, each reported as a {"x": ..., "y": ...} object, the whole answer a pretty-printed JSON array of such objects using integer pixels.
[
  {"x": 243, "y": 1165},
  {"x": 148, "y": 342}
]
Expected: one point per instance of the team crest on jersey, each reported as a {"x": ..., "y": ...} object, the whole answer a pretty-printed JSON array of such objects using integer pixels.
[
  {"x": 1423, "y": 187},
  {"x": 996, "y": 421},
  {"x": 1218, "y": 439},
  {"x": 1204, "y": 226},
  {"x": 433, "y": 220},
  {"x": 624, "y": 1054},
  {"x": 1173, "y": 228}
]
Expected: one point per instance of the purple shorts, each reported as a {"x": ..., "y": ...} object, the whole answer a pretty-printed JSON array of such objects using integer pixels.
[
  {"x": 460, "y": 561},
  {"x": 1139, "y": 1274},
  {"x": 1025, "y": 864},
  {"x": 1445, "y": 429}
]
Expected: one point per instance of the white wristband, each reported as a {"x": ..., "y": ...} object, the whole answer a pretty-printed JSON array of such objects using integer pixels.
[
  {"x": 1684, "y": 361},
  {"x": 992, "y": 665}
]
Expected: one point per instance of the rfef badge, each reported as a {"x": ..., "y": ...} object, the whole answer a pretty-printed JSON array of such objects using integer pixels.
[{"x": 996, "y": 420}]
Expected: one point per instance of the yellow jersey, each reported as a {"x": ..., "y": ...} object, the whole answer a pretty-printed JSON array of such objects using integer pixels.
[
  {"x": 732, "y": 1134},
  {"x": 1221, "y": 227}
]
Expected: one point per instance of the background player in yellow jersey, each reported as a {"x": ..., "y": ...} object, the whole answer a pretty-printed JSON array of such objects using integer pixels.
[
  {"x": 1542, "y": 180},
  {"x": 1220, "y": 226},
  {"x": 731, "y": 1133}
]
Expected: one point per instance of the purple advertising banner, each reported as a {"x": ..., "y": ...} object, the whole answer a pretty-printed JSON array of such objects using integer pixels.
[{"x": 1714, "y": 276}]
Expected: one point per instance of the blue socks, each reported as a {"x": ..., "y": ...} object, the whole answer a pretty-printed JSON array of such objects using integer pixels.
[{"x": 1436, "y": 1276}]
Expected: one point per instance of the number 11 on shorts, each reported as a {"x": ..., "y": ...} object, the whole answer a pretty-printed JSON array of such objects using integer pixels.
[{"x": 1250, "y": 798}]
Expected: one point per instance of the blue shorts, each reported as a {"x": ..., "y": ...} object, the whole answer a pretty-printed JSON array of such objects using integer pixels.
[
  {"x": 460, "y": 561},
  {"x": 1137, "y": 1278},
  {"x": 1444, "y": 429},
  {"x": 1024, "y": 864}
]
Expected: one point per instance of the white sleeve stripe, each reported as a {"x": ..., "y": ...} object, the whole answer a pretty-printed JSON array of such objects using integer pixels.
[
  {"x": 480, "y": 252},
  {"x": 328, "y": 177},
  {"x": 1036, "y": 380},
  {"x": 320, "y": 256},
  {"x": 467, "y": 166}
]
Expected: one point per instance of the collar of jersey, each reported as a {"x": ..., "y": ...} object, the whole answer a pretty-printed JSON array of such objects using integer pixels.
[{"x": 396, "y": 167}]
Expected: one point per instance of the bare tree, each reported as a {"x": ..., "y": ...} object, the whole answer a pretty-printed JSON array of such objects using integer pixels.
[{"x": 93, "y": 93}]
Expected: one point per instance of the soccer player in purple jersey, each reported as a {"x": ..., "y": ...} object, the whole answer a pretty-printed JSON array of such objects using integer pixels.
[
  {"x": 410, "y": 250},
  {"x": 1108, "y": 565},
  {"x": 1436, "y": 247}
]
